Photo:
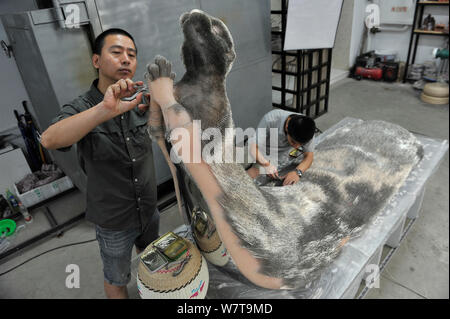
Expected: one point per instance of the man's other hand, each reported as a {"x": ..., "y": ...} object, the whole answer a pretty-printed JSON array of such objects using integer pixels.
[
  {"x": 271, "y": 170},
  {"x": 291, "y": 178}
]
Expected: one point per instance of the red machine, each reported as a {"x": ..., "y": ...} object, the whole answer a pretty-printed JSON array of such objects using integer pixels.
[{"x": 369, "y": 73}]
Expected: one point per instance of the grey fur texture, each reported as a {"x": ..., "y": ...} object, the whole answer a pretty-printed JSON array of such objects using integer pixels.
[
  {"x": 208, "y": 55},
  {"x": 294, "y": 231}
]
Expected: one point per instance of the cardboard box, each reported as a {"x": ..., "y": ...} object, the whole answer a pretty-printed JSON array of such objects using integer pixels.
[{"x": 39, "y": 194}]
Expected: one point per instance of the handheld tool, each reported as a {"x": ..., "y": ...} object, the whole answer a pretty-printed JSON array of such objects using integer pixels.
[{"x": 139, "y": 89}]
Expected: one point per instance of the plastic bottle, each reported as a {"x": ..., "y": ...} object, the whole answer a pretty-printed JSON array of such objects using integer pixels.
[
  {"x": 13, "y": 201},
  {"x": 26, "y": 215}
]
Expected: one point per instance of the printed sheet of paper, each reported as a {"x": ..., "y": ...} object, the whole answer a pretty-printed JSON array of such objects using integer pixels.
[
  {"x": 312, "y": 24},
  {"x": 397, "y": 11}
]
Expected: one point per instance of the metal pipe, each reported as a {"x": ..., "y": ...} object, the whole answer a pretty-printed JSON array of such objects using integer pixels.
[
  {"x": 375, "y": 30},
  {"x": 392, "y": 29},
  {"x": 369, "y": 40},
  {"x": 59, "y": 14}
]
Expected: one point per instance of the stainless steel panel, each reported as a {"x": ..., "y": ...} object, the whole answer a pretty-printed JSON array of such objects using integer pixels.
[
  {"x": 48, "y": 15},
  {"x": 68, "y": 60},
  {"x": 55, "y": 66},
  {"x": 88, "y": 14},
  {"x": 15, "y": 21},
  {"x": 42, "y": 16}
]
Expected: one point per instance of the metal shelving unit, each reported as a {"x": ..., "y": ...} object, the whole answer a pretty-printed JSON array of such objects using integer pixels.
[
  {"x": 416, "y": 31},
  {"x": 310, "y": 70}
]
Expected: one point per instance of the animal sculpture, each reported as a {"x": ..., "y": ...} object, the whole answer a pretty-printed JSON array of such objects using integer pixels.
[{"x": 278, "y": 237}]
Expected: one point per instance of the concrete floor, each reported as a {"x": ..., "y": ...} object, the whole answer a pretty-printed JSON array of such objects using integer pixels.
[{"x": 419, "y": 268}]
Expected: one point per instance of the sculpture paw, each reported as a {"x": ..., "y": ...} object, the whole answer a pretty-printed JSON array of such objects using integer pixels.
[{"x": 159, "y": 69}]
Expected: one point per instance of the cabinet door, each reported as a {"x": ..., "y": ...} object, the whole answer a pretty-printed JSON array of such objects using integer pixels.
[{"x": 55, "y": 65}]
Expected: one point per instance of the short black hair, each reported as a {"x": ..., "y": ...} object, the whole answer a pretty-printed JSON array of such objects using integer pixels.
[
  {"x": 100, "y": 39},
  {"x": 301, "y": 128}
]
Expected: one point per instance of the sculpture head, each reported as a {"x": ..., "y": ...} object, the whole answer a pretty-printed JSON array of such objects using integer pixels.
[{"x": 208, "y": 47}]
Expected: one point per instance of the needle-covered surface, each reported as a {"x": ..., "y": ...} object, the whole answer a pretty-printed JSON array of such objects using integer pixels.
[
  {"x": 297, "y": 230},
  {"x": 294, "y": 231}
]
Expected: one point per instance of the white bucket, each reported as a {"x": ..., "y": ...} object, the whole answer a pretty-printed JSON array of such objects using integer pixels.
[{"x": 191, "y": 283}]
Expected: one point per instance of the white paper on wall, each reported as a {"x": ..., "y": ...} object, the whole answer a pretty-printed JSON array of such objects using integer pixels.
[
  {"x": 397, "y": 11},
  {"x": 312, "y": 24}
]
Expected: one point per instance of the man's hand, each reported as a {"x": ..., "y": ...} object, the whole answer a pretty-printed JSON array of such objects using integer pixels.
[
  {"x": 112, "y": 104},
  {"x": 271, "y": 170},
  {"x": 291, "y": 178}
]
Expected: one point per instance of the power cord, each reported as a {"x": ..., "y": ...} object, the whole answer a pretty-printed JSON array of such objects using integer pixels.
[{"x": 45, "y": 252}]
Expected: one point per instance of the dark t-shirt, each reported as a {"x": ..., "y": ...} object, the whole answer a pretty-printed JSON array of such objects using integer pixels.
[{"x": 117, "y": 158}]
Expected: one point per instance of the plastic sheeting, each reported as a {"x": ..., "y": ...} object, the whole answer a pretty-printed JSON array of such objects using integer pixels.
[{"x": 349, "y": 266}]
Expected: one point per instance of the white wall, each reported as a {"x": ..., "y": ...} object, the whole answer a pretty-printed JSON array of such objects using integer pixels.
[
  {"x": 358, "y": 29},
  {"x": 400, "y": 41},
  {"x": 397, "y": 41},
  {"x": 342, "y": 45}
]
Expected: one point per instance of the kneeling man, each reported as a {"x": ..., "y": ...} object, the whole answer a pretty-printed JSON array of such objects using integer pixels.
[{"x": 294, "y": 152}]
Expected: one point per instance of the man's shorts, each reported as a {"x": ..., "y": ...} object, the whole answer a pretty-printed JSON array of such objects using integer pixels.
[{"x": 116, "y": 247}]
